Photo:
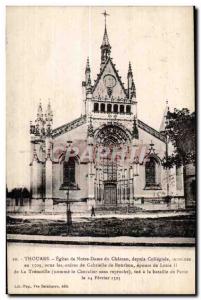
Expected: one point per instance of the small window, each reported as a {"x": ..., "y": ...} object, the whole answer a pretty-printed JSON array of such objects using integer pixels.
[
  {"x": 96, "y": 107},
  {"x": 150, "y": 172},
  {"x": 128, "y": 109},
  {"x": 109, "y": 108},
  {"x": 102, "y": 107},
  {"x": 69, "y": 172},
  {"x": 121, "y": 109},
  {"x": 115, "y": 108}
]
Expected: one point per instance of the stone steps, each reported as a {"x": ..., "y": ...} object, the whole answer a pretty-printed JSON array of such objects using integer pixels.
[{"x": 118, "y": 209}]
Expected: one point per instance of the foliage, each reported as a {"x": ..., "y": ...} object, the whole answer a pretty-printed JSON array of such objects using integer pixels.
[
  {"x": 18, "y": 193},
  {"x": 180, "y": 130}
]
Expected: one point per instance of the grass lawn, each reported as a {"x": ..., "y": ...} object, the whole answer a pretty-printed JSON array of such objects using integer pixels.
[{"x": 179, "y": 226}]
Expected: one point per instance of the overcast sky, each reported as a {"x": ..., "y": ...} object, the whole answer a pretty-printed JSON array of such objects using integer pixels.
[{"x": 46, "y": 51}]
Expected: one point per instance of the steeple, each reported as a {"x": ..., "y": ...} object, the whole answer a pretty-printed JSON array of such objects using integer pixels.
[
  {"x": 105, "y": 42},
  {"x": 130, "y": 73},
  {"x": 88, "y": 73},
  {"x": 164, "y": 119},
  {"x": 49, "y": 119},
  {"x": 105, "y": 46},
  {"x": 131, "y": 84},
  {"x": 40, "y": 112},
  {"x": 88, "y": 78},
  {"x": 39, "y": 121}
]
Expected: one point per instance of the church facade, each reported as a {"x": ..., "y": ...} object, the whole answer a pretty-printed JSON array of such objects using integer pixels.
[{"x": 107, "y": 157}]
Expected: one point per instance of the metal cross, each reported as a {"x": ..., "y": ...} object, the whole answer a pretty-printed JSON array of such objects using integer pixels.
[{"x": 105, "y": 15}]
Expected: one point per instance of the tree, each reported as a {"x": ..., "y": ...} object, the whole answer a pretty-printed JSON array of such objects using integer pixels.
[
  {"x": 181, "y": 131},
  {"x": 25, "y": 193},
  {"x": 19, "y": 193}
]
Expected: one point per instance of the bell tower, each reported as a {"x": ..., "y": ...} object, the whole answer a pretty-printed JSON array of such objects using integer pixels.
[{"x": 108, "y": 98}]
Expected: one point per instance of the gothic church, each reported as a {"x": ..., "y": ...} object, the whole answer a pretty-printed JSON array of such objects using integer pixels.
[{"x": 107, "y": 157}]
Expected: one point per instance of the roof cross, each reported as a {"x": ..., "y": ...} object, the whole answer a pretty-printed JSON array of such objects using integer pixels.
[{"x": 105, "y": 15}]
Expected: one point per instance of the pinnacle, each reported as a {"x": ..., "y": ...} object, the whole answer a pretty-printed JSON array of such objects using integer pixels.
[
  {"x": 130, "y": 68},
  {"x": 135, "y": 133},
  {"x": 105, "y": 39},
  {"x": 90, "y": 132},
  {"x": 87, "y": 65},
  {"x": 40, "y": 107}
]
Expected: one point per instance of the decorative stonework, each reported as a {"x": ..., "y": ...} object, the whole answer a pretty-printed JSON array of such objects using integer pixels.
[
  {"x": 111, "y": 134},
  {"x": 109, "y": 116}
]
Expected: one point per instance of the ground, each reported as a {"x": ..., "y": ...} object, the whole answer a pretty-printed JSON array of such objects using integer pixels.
[{"x": 174, "y": 226}]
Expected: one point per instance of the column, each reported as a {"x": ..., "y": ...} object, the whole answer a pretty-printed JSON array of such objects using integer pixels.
[
  {"x": 48, "y": 186},
  {"x": 36, "y": 178},
  {"x": 131, "y": 183}
]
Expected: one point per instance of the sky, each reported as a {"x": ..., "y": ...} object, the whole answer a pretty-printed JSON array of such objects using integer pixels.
[{"x": 46, "y": 52}]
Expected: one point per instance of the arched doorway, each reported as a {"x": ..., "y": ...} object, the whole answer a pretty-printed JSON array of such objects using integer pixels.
[{"x": 108, "y": 185}]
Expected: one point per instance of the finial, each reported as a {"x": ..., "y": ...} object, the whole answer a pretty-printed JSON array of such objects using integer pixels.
[
  {"x": 40, "y": 113},
  {"x": 135, "y": 133},
  {"x": 49, "y": 104},
  {"x": 167, "y": 105},
  {"x": 40, "y": 109},
  {"x": 87, "y": 75},
  {"x": 151, "y": 144},
  {"x": 105, "y": 36},
  {"x": 130, "y": 69},
  {"x": 90, "y": 132},
  {"x": 105, "y": 16},
  {"x": 32, "y": 128},
  {"x": 131, "y": 84},
  {"x": 105, "y": 46},
  {"x": 49, "y": 113},
  {"x": 87, "y": 65}
]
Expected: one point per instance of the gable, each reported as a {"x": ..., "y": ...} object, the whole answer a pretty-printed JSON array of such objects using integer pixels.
[
  {"x": 69, "y": 126},
  {"x": 82, "y": 120},
  {"x": 151, "y": 131},
  {"x": 100, "y": 89}
]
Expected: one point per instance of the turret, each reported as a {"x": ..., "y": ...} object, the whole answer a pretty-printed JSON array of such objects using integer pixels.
[
  {"x": 39, "y": 122},
  {"x": 164, "y": 118},
  {"x": 135, "y": 133},
  {"x": 88, "y": 77},
  {"x": 49, "y": 119},
  {"x": 131, "y": 84},
  {"x": 87, "y": 72}
]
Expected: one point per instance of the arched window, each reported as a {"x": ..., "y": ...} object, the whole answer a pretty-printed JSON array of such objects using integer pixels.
[
  {"x": 128, "y": 109},
  {"x": 69, "y": 172},
  {"x": 121, "y": 109},
  {"x": 115, "y": 108},
  {"x": 96, "y": 107},
  {"x": 109, "y": 108},
  {"x": 152, "y": 173},
  {"x": 102, "y": 107}
]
